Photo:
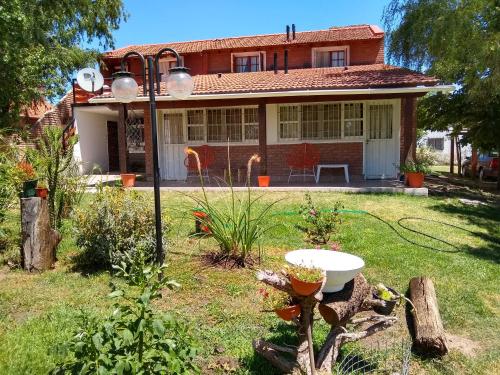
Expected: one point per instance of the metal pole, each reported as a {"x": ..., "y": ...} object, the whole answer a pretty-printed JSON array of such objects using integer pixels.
[{"x": 160, "y": 254}]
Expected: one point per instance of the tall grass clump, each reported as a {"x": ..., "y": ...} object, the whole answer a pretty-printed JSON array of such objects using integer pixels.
[{"x": 239, "y": 224}]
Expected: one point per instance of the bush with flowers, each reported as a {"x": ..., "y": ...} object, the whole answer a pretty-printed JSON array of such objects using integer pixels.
[{"x": 319, "y": 225}]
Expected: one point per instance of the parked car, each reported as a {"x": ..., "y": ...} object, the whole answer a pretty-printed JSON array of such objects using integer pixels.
[{"x": 487, "y": 166}]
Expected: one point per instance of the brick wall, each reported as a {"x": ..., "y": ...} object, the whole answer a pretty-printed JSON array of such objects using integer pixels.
[{"x": 362, "y": 52}]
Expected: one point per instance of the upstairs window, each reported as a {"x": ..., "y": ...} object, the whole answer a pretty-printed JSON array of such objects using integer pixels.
[
  {"x": 325, "y": 57},
  {"x": 166, "y": 64},
  {"x": 248, "y": 62}
]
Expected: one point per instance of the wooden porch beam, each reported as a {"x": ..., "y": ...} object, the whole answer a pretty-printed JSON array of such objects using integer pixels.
[
  {"x": 122, "y": 138},
  {"x": 262, "y": 138}
]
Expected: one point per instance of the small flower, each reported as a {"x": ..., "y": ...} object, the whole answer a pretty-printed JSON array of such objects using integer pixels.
[
  {"x": 264, "y": 293},
  {"x": 335, "y": 246},
  {"x": 318, "y": 247},
  {"x": 313, "y": 213}
]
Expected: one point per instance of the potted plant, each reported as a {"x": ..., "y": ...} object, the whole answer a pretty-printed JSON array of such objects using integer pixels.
[
  {"x": 128, "y": 179},
  {"x": 201, "y": 219},
  {"x": 27, "y": 175},
  {"x": 391, "y": 298},
  {"x": 414, "y": 172},
  {"x": 41, "y": 190},
  {"x": 264, "y": 181},
  {"x": 305, "y": 281},
  {"x": 281, "y": 303}
]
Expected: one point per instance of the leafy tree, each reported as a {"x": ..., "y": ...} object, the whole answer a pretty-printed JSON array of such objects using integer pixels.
[
  {"x": 40, "y": 46},
  {"x": 459, "y": 42}
]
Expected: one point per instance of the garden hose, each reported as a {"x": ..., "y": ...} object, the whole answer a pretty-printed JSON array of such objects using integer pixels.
[{"x": 395, "y": 230}]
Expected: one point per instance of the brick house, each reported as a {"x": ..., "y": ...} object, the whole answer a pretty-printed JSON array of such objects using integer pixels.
[{"x": 266, "y": 94}]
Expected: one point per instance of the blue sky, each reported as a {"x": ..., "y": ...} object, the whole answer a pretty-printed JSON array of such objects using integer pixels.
[{"x": 157, "y": 21}]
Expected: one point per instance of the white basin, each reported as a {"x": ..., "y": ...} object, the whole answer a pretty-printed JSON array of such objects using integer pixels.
[{"x": 340, "y": 267}]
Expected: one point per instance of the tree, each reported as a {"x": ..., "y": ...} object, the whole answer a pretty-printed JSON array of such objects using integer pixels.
[
  {"x": 458, "y": 41},
  {"x": 40, "y": 46}
]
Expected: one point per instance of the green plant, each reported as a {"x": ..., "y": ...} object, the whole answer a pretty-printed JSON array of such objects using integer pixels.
[
  {"x": 134, "y": 339},
  {"x": 53, "y": 159},
  {"x": 414, "y": 167},
  {"x": 274, "y": 299},
  {"x": 319, "y": 225},
  {"x": 115, "y": 224},
  {"x": 309, "y": 275},
  {"x": 387, "y": 295},
  {"x": 237, "y": 226},
  {"x": 41, "y": 185}
]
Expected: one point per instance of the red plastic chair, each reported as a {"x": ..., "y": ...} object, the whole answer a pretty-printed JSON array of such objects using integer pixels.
[
  {"x": 207, "y": 158},
  {"x": 302, "y": 161}
]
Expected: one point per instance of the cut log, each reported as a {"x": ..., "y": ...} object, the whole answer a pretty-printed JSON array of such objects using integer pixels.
[
  {"x": 39, "y": 240},
  {"x": 337, "y": 308},
  {"x": 429, "y": 336}
]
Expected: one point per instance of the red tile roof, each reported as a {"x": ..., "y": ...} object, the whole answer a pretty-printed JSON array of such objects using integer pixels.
[
  {"x": 333, "y": 34},
  {"x": 59, "y": 115},
  {"x": 354, "y": 77}
]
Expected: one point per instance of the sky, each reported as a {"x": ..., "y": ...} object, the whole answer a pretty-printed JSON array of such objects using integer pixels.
[{"x": 160, "y": 21}]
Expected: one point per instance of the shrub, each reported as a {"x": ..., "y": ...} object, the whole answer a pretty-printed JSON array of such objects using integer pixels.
[
  {"x": 424, "y": 159},
  {"x": 319, "y": 225},
  {"x": 116, "y": 223},
  {"x": 134, "y": 339},
  {"x": 54, "y": 161},
  {"x": 237, "y": 226}
]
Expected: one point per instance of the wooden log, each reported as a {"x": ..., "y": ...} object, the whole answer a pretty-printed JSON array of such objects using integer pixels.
[
  {"x": 429, "y": 336},
  {"x": 337, "y": 308},
  {"x": 39, "y": 240}
]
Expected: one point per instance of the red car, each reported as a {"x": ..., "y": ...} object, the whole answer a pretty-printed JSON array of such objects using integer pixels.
[{"x": 487, "y": 166}]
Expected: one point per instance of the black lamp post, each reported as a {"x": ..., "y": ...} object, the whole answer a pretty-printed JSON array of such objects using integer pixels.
[{"x": 125, "y": 90}]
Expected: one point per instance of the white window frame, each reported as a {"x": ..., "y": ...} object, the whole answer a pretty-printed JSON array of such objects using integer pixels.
[
  {"x": 342, "y": 138},
  {"x": 203, "y": 125},
  {"x": 169, "y": 59},
  {"x": 250, "y": 54},
  {"x": 345, "y": 48}
]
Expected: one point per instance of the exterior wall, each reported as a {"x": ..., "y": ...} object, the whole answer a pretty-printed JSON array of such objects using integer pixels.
[
  {"x": 443, "y": 155},
  {"x": 92, "y": 147},
  {"x": 350, "y": 150},
  {"x": 362, "y": 52}
]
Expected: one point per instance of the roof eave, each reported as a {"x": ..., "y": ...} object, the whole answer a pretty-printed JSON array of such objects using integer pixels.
[{"x": 291, "y": 93}]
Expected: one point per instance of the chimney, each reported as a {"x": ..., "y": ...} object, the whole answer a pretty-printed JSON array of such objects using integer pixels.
[
  {"x": 293, "y": 31},
  {"x": 286, "y": 61},
  {"x": 287, "y": 32},
  {"x": 275, "y": 63}
]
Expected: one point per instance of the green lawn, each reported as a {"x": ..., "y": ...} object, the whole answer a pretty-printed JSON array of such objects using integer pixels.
[{"x": 39, "y": 310}]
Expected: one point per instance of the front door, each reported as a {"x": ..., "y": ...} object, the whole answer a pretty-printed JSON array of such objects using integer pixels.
[
  {"x": 113, "y": 155},
  {"x": 172, "y": 155},
  {"x": 380, "y": 152}
]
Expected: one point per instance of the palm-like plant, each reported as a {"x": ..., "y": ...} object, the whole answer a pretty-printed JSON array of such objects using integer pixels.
[{"x": 237, "y": 226}]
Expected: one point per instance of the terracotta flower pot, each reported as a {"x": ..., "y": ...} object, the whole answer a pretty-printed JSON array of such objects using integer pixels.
[
  {"x": 29, "y": 188},
  {"x": 305, "y": 288},
  {"x": 415, "y": 179},
  {"x": 42, "y": 192},
  {"x": 264, "y": 181},
  {"x": 289, "y": 312},
  {"x": 128, "y": 179}
]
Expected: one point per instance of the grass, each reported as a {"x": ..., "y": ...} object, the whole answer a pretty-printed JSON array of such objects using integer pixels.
[{"x": 39, "y": 310}]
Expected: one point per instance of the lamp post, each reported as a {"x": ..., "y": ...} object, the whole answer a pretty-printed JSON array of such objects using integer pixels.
[{"x": 125, "y": 90}]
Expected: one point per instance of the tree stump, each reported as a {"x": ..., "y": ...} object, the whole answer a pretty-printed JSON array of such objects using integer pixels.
[
  {"x": 429, "y": 337},
  {"x": 338, "y": 309},
  {"x": 39, "y": 240}
]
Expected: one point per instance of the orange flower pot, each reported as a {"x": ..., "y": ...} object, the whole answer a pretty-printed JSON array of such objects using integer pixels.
[
  {"x": 415, "y": 179},
  {"x": 304, "y": 288},
  {"x": 289, "y": 312},
  {"x": 128, "y": 179},
  {"x": 42, "y": 192},
  {"x": 264, "y": 181}
]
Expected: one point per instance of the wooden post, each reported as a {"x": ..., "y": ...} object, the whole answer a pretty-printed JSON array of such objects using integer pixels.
[
  {"x": 452, "y": 155},
  {"x": 39, "y": 240},
  {"x": 262, "y": 138},
  {"x": 430, "y": 338}
]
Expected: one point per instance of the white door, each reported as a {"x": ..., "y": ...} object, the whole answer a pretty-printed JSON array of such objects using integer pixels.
[
  {"x": 172, "y": 150},
  {"x": 380, "y": 152}
]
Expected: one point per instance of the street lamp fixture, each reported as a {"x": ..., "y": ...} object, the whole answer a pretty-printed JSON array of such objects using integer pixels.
[{"x": 125, "y": 90}]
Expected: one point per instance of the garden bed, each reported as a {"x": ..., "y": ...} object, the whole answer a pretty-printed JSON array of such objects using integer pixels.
[{"x": 37, "y": 311}]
